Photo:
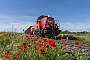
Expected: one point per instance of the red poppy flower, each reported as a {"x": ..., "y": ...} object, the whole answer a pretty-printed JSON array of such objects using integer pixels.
[
  {"x": 6, "y": 56},
  {"x": 42, "y": 51},
  {"x": 15, "y": 58},
  {"x": 17, "y": 53},
  {"x": 29, "y": 45},
  {"x": 40, "y": 45},
  {"x": 6, "y": 52},
  {"x": 46, "y": 36},
  {"x": 30, "y": 38},
  {"x": 37, "y": 37},
  {"x": 44, "y": 39},
  {"x": 34, "y": 42},
  {"x": 46, "y": 45},
  {"x": 64, "y": 47},
  {"x": 76, "y": 42},
  {"x": 34, "y": 47},
  {"x": 19, "y": 47},
  {"x": 27, "y": 36},
  {"x": 51, "y": 43},
  {"x": 39, "y": 41},
  {"x": 32, "y": 35},
  {"x": 24, "y": 44}
]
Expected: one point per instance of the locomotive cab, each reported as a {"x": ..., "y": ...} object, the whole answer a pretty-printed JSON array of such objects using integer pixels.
[{"x": 51, "y": 29}]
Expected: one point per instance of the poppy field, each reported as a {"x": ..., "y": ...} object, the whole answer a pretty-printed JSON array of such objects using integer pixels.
[{"x": 17, "y": 46}]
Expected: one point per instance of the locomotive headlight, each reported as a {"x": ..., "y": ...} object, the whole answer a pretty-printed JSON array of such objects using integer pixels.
[{"x": 51, "y": 24}]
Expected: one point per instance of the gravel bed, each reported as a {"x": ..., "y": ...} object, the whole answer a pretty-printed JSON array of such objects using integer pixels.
[{"x": 82, "y": 47}]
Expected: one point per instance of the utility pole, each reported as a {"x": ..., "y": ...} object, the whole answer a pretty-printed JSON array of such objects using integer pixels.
[
  {"x": 88, "y": 30},
  {"x": 12, "y": 28},
  {"x": 12, "y": 31}
]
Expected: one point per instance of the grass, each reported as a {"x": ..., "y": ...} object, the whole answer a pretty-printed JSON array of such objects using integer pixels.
[
  {"x": 83, "y": 38},
  {"x": 31, "y": 47}
]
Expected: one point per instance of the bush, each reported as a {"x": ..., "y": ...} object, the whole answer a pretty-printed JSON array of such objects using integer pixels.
[{"x": 65, "y": 36}]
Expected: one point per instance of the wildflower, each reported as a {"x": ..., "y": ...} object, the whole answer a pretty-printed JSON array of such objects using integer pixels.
[
  {"x": 51, "y": 43},
  {"x": 42, "y": 51},
  {"x": 39, "y": 41},
  {"x": 44, "y": 39},
  {"x": 26, "y": 36},
  {"x": 37, "y": 37},
  {"x": 40, "y": 45},
  {"x": 6, "y": 52},
  {"x": 34, "y": 47},
  {"x": 19, "y": 47},
  {"x": 30, "y": 38},
  {"x": 76, "y": 42},
  {"x": 64, "y": 47},
  {"x": 29, "y": 45},
  {"x": 17, "y": 53},
  {"x": 15, "y": 58},
  {"x": 24, "y": 43},
  {"x": 6, "y": 56},
  {"x": 34, "y": 42},
  {"x": 25, "y": 46},
  {"x": 46, "y": 45},
  {"x": 32, "y": 35},
  {"x": 46, "y": 36}
]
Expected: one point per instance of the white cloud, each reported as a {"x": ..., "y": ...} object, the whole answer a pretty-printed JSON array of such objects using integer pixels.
[
  {"x": 18, "y": 22},
  {"x": 4, "y": 16},
  {"x": 23, "y": 22},
  {"x": 19, "y": 27},
  {"x": 75, "y": 26}
]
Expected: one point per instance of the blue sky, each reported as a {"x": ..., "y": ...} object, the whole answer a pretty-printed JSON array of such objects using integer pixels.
[{"x": 73, "y": 15}]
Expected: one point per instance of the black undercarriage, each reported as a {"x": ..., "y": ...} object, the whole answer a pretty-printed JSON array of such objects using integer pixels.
[{"x": 50, "y": 32}]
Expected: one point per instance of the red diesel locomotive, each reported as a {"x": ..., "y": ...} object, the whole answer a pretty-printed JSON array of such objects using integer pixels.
[{"x": 44, "y": 25}]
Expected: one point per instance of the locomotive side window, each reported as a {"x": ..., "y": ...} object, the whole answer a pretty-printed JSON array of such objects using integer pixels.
[{"x": 39, "y": 19}]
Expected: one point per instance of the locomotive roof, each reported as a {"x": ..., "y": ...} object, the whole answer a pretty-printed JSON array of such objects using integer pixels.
[{"x": 42, "y": 16}]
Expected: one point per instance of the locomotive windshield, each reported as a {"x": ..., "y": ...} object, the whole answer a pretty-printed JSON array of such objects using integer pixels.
[{"x": 50, "y": 23}]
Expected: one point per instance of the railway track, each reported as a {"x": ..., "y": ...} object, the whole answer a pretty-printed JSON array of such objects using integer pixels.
[{"x": 83, "y": 47}]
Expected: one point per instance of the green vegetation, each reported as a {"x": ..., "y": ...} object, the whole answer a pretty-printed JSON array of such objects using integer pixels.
[
  {"x": 31, "y": 47},
  {"x": 81, "y": 36}
]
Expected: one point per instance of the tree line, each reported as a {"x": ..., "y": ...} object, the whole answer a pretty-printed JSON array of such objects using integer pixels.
[{"x": 68, "y": 32}]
